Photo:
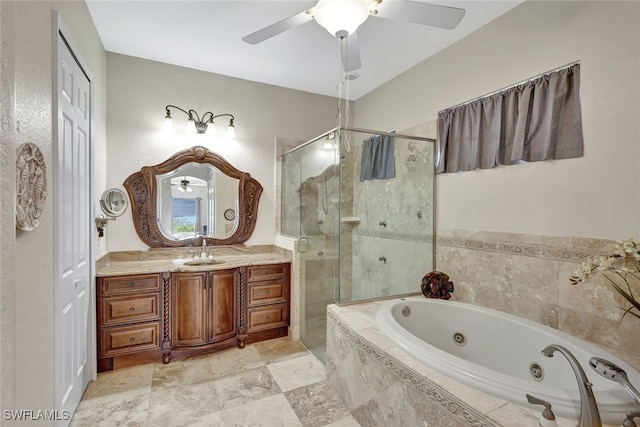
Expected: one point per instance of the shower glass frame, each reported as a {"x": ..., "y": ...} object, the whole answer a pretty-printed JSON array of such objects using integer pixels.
[{"x": 316, "y": 263}]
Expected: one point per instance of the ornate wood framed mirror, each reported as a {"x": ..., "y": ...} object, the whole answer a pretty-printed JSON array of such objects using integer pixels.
[{"x": 191, "y": 196}]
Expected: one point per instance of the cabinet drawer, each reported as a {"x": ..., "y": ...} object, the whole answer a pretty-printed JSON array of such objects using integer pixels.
[
  {"x": 116, "y": 285},
  {"x": 266, "y": 272},
  {"x": 268, "y": 317},
  {"x": 129, "y": 339},
  {"x": 267, "y": 292},
  {"x": 129, "y": 309}
]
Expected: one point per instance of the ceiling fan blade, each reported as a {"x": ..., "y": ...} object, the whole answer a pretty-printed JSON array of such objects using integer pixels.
[
  {"x": 421, "y": 13},
  {"x": 350, "y": 52},
  {"x": 277, "y": 28}
]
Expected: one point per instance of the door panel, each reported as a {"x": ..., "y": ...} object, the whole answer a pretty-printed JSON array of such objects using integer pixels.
[
  {"x": 189, "y": 309},
  {"x": 223, "y": 305},
  {"x": 73, "y": 225},
  {"x": 319, "y": 210}
]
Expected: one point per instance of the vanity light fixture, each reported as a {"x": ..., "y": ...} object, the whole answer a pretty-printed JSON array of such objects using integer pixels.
[{"x": 197, "y": 124}]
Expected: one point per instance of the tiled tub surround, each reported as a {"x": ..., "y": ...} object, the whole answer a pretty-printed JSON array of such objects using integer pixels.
[
  {"x": 495, "y": 352},
  {"x": 382, "y": 385},
  {"x": 528, "y": 275}
]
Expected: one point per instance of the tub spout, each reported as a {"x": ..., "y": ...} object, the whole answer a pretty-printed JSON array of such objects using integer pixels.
[{"x": 589, "y": 414}]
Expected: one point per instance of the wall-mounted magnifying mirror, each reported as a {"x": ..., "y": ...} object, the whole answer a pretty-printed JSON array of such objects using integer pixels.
[{"x": 113, "y": 203}]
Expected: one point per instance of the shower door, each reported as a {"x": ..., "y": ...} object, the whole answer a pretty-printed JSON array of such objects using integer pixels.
[{"x": 319, "y": 240}]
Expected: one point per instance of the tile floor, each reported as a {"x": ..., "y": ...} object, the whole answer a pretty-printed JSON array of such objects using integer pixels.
[{"x": 272, "y": 383}]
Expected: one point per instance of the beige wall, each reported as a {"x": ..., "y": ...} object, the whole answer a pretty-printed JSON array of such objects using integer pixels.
[
  {"x": 28, "y": 34},
  {"x": 140, "y": 89},
  {"x": 7, "y": 216},
  {"x": 511, "y": 237},
  {"x": 593, "y": 196}
]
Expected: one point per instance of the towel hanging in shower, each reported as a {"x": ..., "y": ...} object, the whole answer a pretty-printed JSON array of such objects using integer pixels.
[{"x": 378, "y": 159}]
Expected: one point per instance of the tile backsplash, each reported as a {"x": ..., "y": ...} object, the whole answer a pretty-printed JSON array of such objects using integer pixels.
[{"x": 528, "y": 275}]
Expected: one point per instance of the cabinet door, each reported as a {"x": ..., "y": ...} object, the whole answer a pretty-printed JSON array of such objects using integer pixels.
[
  {"x": 189, "y": 309},
  {"x": 223, "y": 311}
]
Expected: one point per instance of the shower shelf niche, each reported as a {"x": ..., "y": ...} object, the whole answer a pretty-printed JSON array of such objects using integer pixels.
[{"x": 354, "y": 220}]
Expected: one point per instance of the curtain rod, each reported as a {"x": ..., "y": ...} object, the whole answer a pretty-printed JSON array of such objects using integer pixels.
[{"x": 571, "y": 64}]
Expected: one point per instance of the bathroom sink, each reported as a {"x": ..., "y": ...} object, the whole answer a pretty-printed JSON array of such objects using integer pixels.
[{"x": 203, "y": 262}]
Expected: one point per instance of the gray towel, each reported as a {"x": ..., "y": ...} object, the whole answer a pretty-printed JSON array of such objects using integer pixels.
[{"x": 378, "y": 159}]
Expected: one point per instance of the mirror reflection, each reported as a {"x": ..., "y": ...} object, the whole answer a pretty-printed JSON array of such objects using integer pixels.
[{"x": 195, "y": 200}]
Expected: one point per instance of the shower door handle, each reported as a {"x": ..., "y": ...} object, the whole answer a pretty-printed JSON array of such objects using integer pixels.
[{"x": 303, "y": 245}]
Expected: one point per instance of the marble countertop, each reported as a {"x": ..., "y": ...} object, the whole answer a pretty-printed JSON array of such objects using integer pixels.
[{"x": 142, "y": 262}]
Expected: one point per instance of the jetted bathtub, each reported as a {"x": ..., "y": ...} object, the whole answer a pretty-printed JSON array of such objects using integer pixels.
[{"x": 500, "y": 354}]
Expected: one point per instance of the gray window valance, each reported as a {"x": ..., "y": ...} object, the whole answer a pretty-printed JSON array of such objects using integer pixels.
[{"x": 536, "y": 120}]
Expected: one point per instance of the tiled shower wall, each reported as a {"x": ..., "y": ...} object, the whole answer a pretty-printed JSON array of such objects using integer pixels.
[
  {"x": 528, "y": 275},
  {"x": 392, "y": 234}
]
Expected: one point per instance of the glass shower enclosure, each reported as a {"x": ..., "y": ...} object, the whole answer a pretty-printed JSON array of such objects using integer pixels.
[{"x": 360, "y": 237}]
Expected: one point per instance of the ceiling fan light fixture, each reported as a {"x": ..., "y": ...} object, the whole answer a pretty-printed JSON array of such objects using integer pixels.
[
  {"x": 184, "y": 186},
  {"x": 341, "y": 16}
]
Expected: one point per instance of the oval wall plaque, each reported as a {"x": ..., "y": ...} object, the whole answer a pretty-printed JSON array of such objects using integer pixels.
[{"x": 31, "y": 186}]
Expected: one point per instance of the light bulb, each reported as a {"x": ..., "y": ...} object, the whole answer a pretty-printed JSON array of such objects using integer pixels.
[
  {"x": 191, "y": 126},
  {"x": 168, "y": 122},
  {"x": 341, "y": 16},
  {"x": 328, "y": 145},
  {"x": 211, "y": 128},
  {"x": 231, "y": 131}
]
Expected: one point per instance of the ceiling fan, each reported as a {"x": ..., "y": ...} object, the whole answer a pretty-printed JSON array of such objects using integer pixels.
[{"x": 341, "y": 18}]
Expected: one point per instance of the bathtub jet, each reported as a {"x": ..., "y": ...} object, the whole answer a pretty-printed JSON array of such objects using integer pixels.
[{"x": 499, "y": 352}]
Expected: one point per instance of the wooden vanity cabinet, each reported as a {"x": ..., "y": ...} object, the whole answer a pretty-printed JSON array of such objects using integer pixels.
[
  {"x": 204, "y": 308},
  {"x": 130, "y": 322},
  {"x": 151, "y": 317},
  {"x": 267, "y": 305}
]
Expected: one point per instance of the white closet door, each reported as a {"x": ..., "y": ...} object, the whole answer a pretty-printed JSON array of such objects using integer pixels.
[{"x": 73, "y": 225}]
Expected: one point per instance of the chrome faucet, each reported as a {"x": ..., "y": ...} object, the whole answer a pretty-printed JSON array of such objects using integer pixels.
[
  {"x": 204, "y": 248},
  {"x": 589, "y": 414}
]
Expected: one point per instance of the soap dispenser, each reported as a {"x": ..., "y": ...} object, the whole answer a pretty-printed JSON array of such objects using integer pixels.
[{"x": 548, "y": 419}]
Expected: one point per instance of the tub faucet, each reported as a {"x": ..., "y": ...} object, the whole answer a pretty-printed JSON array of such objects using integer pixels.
[{"x": 589, "y": 414}]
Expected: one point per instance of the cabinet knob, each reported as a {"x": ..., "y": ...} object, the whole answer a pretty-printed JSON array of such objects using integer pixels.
[
  {"x": 267, "y": 293},
  {"x": 268, "y": 318},
  {"x": 132, "y": 339},
  {"x": 132, "y": 284},
  {"x": 267, "y": 272},
  {"x": 132, "y": 309}
]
